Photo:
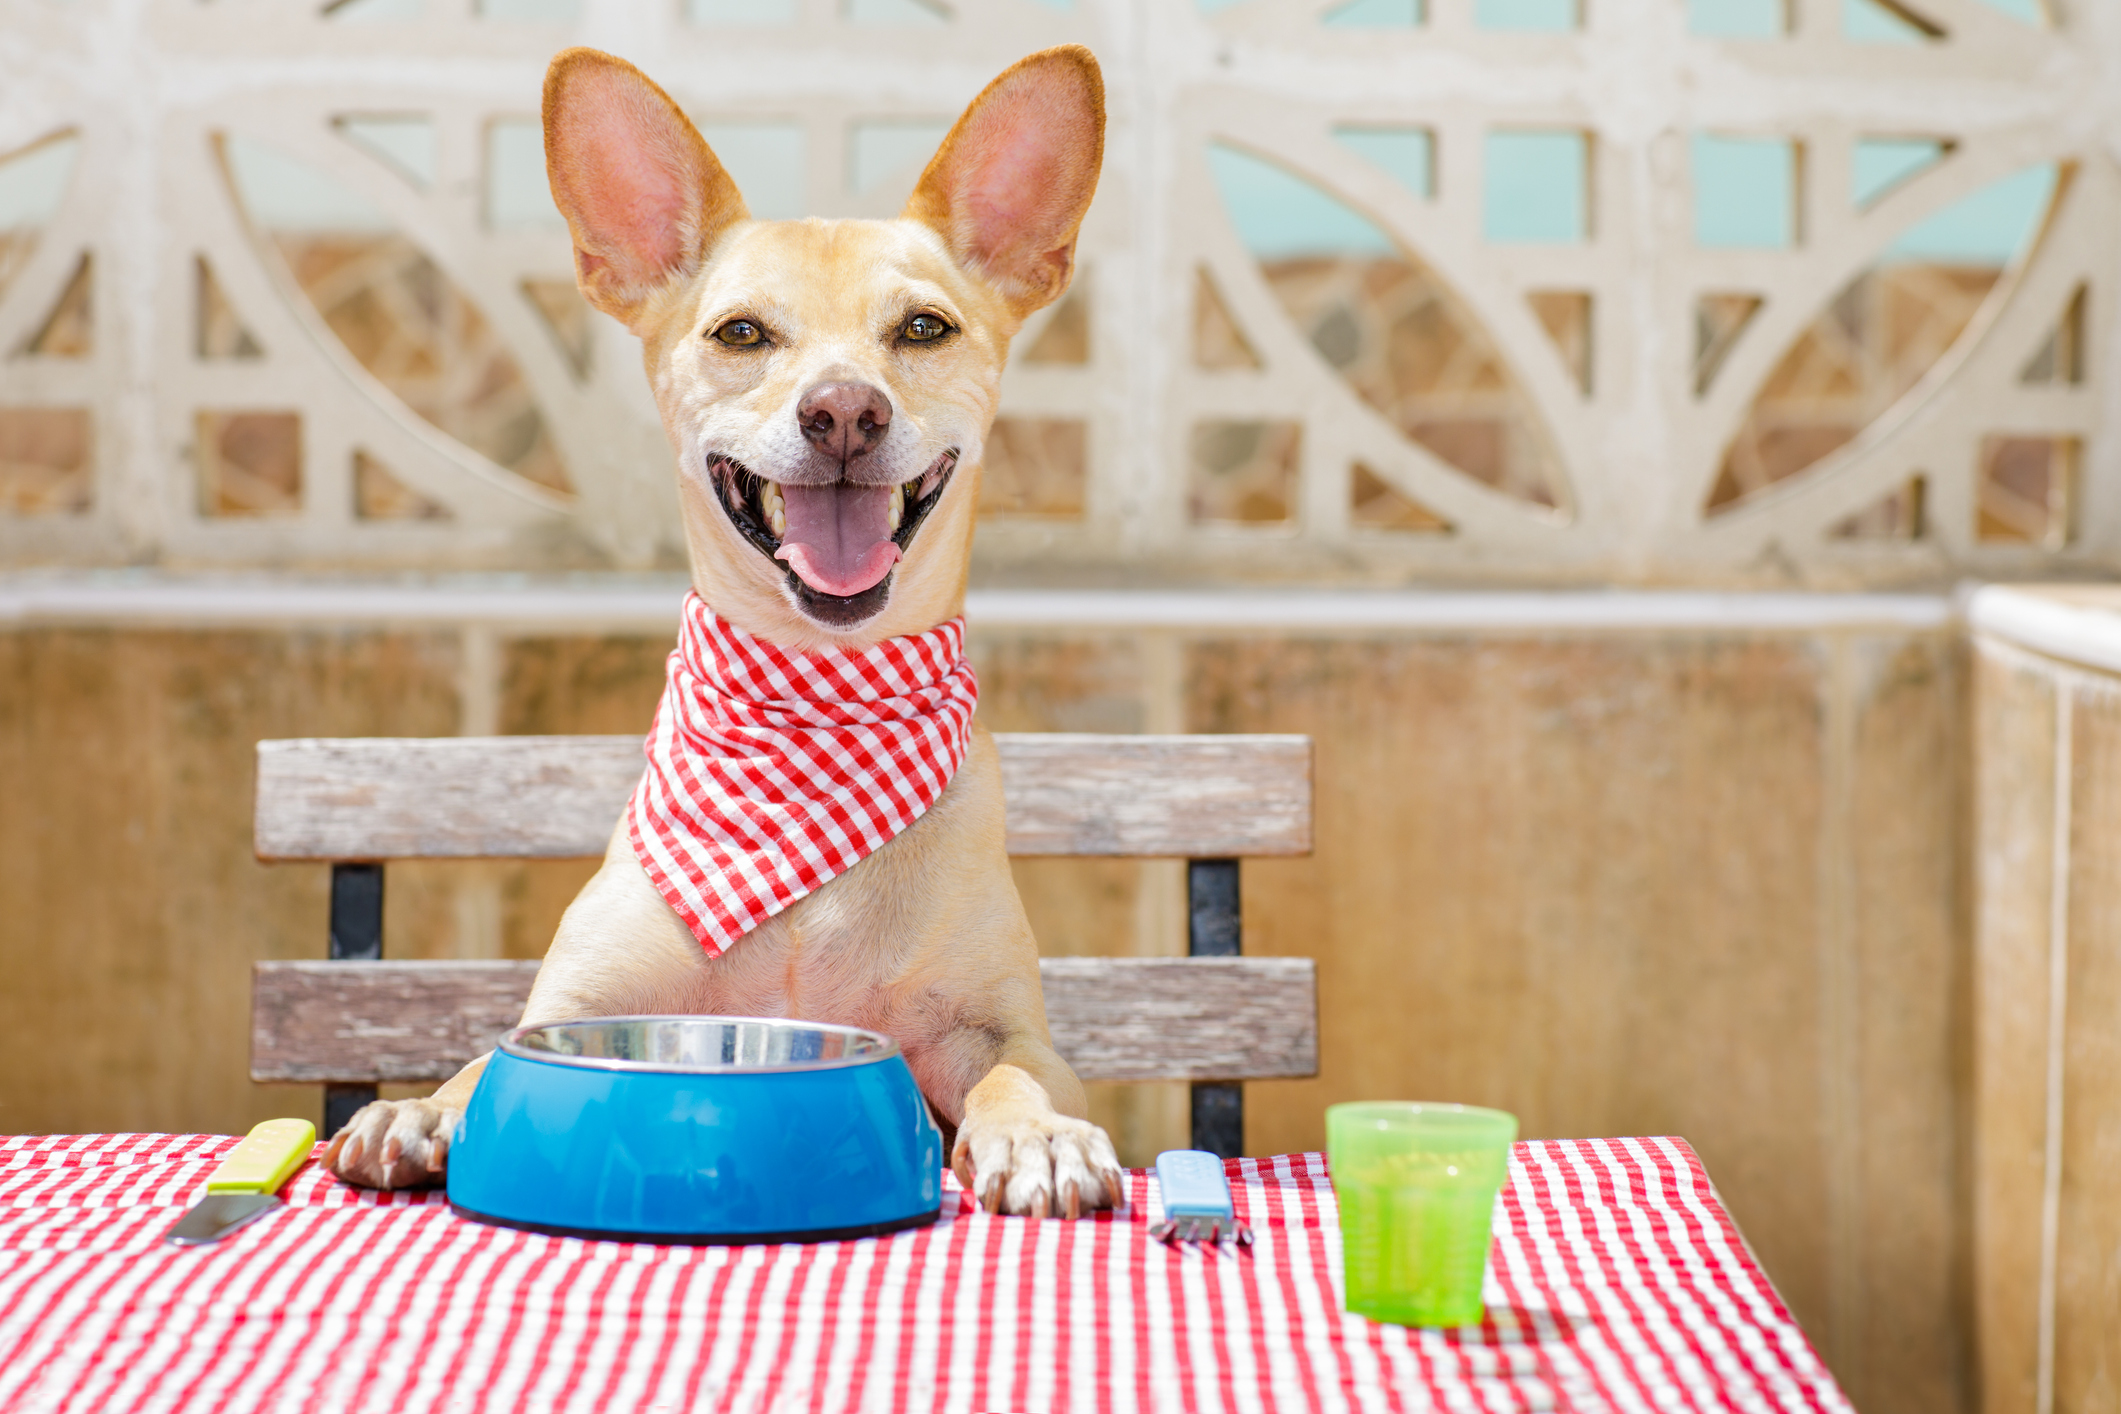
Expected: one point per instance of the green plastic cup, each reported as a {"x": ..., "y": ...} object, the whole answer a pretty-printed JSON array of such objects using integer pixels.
[{"x": 1417, "y": 1186}]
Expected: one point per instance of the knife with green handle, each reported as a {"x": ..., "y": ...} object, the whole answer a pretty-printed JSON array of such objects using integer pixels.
[{"x": 242, "y": 1189}]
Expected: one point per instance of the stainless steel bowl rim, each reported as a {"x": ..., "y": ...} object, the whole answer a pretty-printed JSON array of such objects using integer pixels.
[{"x": 884, "y": 1047}]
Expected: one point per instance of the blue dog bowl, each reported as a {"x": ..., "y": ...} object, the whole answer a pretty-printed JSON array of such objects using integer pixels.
[{"x": 697, "y": 1129}]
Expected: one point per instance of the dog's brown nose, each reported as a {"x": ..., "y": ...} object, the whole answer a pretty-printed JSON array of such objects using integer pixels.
[{"x": 844, "y": 420}]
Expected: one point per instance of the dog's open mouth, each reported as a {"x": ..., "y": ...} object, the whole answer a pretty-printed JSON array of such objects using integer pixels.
[{"x": 838, "y": 542}]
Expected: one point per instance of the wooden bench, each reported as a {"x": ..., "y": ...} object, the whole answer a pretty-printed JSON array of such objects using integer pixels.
[{"x": 1214, "y": 1018}]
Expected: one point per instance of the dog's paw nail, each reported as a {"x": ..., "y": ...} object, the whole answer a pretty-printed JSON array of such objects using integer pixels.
[{"x": 1075, "y": 1199}]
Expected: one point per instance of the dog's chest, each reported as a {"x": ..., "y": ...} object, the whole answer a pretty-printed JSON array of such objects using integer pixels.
[{"x": 828, "y": 957}]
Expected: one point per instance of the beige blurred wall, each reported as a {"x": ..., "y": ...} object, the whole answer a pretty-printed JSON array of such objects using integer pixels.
[
  {"x": 2046, "y": 1122},
  {"x": 1682, "y": 881}
]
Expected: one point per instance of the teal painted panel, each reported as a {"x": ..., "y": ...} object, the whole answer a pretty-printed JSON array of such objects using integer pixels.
[
  {"x": 1881, "y": 163},
  {"x": 740, "y": 14},
  {"x": 1737, "y": 19},
  {"x": 1279, "y": 215},
  {"x": 405, "y": 142},
  {"x": 377, "y": 11},
  {"x": 916, "y": 13},
  {"x": 766, "y": 161},
  {"x": 279, "y": 193},
  {"x": 1376, "y": 14},
  {"x": 1546, "y": 15},
  {"x": 1409, "y": 154},
  {"x": 1868, "y": 22},
  {"x": 1745, "y": 192},
  {"x": 881, "y": 150},
  {"x": 1991, "y": 227},
  {"x": 518, "y": 194},
  {"x": 1537, "y": 188},
  {"x": 33, "y": 183}
]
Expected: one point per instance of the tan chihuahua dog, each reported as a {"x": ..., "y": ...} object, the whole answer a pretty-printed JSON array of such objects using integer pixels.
[{"x": 843, "y": 375}]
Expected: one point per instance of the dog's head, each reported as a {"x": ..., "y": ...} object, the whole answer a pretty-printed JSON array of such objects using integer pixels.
[{"x": 828, "y": 385}]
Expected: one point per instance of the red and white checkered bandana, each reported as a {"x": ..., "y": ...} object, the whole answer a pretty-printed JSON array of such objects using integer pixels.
[{"x": 771, "y": 771}]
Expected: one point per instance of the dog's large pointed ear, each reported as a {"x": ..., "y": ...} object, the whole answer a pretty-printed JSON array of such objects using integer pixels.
[
  {"x": 1008, "y": 188},
  {"x": 643, "y": 196}
]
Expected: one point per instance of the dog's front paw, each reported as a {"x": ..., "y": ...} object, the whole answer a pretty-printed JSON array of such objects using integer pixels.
[
  {"x": 394, "y": 1144},
  {"x": 1038, "y": 1166}
]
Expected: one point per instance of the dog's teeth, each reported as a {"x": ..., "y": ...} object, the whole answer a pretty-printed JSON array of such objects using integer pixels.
[
  {"x": 898, "y": 505},
  {"x": 775, "y": 508}
]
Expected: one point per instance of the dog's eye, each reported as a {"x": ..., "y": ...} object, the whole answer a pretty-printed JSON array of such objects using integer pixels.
[
  {"x": 923, "y": 327},
  {"x": 740, "y": 334}
]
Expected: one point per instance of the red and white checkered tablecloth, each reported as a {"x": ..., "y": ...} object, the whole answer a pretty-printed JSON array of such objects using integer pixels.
[{"x": 1617, "y": 1282}]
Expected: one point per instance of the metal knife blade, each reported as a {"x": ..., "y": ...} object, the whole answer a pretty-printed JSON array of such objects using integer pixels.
[
  {"x": 218, "y": 1214},
  {"x": 240, "y": 1190}
]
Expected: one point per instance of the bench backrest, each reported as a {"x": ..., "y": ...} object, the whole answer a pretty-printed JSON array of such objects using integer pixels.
[
  {"x": 1213, "y": 1018},
  {"x": 557, "y": 797}
]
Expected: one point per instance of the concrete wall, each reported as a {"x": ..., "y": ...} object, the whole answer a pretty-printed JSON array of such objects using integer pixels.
[{"x": 1641, "y": 879}]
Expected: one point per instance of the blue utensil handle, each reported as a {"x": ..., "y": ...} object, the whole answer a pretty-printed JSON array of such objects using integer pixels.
[
  {"x": 1196, "y": 1198},
  {"x": 1193, "y": 1184}
]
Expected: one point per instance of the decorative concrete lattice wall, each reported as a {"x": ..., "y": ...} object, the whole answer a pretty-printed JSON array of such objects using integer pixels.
[{"x": 1722, "y": 291}]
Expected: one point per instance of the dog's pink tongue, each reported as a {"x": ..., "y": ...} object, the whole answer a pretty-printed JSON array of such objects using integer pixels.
[{"x": 839, "y": 537}]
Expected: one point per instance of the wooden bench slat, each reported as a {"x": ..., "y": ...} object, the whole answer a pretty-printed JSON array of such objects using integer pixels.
[
  {"x": 1238, "y": 1018},
  {"x": 528, "y": 797},
  {"x": 369, "y": 1022},
  {"x": 558, "y": 797},
  {"x": 1137, "y": 797},
  {"x": 1183, "y": 1018}
]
